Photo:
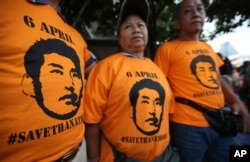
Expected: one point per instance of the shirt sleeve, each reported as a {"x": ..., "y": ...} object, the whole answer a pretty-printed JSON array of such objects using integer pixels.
[{"x": 162, "y": 60}]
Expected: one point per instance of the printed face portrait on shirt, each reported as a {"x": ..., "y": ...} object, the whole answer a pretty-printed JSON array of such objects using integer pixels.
[
  {"x": 147, "y": 100},
  {"x": 204, "y": 69},
  {"x": 55, "y": 71}
]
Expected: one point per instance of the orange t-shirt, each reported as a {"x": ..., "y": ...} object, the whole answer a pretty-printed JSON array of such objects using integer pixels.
[
  {"x": 42, "y": 62},
  {"x": 130, "y": 99},
  {"x": 191, "y": 68}
]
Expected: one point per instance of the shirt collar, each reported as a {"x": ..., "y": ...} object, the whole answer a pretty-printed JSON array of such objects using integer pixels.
[
  {"x": 58, "y": 8},
  {"x": 39, "y": 1},
  {"x": 129, "y": 55}
]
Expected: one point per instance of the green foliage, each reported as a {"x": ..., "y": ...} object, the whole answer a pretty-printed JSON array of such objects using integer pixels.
[
  {"x": 228, "y": 15},
  {"x": 101, "y": 17}
]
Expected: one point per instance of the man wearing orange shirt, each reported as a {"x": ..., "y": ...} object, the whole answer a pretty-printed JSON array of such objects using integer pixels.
[
  {"x": 44, "y": 62},
  {"x": 191, "y": 67}
]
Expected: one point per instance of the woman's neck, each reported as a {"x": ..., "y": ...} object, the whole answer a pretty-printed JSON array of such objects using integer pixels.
[{"x": 138, "y": 55}]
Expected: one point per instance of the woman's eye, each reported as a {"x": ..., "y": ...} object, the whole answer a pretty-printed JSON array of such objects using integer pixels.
[
  {"x": 127, "y": 26},
  {"x": 141, "y": 25},
  {"x": 187, "y": 11}
]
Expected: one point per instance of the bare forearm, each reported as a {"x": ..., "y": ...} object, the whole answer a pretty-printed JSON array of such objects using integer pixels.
[
  {"x": 229, "y": 95},
  {"x": 88, "y": 69},
  {"x": 92, "y": 141},
  {"x": 238, "y": 107}
]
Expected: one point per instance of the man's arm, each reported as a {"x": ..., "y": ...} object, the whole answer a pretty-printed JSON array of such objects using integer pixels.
[
  {"x": 92, "y": 136},
  {"x": 238, "y": 107},
  {"x": 88, "y": 69}
]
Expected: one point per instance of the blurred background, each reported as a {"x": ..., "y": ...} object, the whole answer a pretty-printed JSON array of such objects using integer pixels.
[{"x": 227, "y": 29}]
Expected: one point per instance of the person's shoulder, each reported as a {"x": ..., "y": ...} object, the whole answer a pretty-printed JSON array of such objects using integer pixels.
[
  {"x": 107, "y": 63},
  {"x": 111, "y": 58},
  {"x": 169, "y": 45},
  {"x": 205, "y": 43},
  {"x": 168, "y": 42}
]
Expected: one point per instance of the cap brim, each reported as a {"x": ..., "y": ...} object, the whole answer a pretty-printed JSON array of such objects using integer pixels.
[{"x": 139, "y": 7}]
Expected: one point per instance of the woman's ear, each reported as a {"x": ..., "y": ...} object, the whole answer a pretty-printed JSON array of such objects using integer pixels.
[{"x": 27, "y": 86}]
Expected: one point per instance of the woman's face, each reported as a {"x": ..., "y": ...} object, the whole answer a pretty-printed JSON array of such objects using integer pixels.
[{"x": 133, "y": 34}]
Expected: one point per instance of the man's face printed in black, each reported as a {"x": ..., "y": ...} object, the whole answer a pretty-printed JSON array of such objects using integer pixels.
[
  {"x": 204, "y": 69},
  {"x": 147, "y": 99},
  {"x": 55, "y": 70}
]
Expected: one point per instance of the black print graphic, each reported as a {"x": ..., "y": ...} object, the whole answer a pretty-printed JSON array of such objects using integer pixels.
[
  {"x": 204, "y": 69},
  {"x": 147, "y": 101},
  {"x": 53, "y": 77}
]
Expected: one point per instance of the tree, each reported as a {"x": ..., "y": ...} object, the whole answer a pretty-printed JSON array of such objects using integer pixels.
[
  {"x": 101, "y": 17},
  {"x": 228, "y": 15}
]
